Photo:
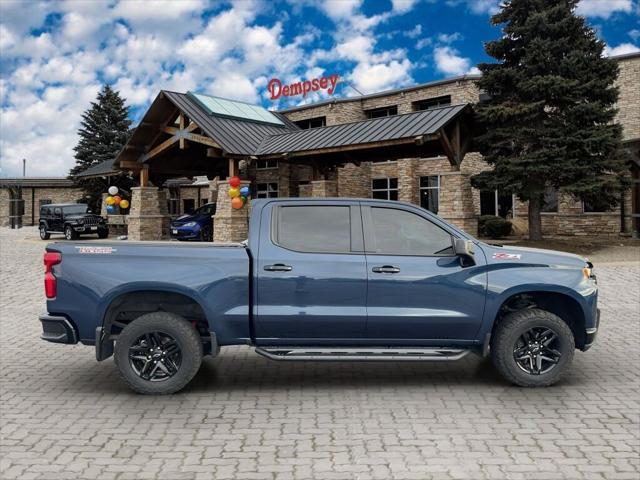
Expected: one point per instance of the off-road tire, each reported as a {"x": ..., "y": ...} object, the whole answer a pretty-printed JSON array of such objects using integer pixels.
[
  {"x": 507, "y": 333},
  {"x": 70, "y": 233},
  {"x": 44, "y": 235},
  {"x": 177, "y": 327}
]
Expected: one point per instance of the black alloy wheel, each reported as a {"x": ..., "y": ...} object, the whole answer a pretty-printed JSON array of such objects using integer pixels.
[
  {"x": 205, "y": 234},
  {"x": 536, "y": 351},
  {"x": 69, "y": 233},
  {"x": 155, "y": 356}
]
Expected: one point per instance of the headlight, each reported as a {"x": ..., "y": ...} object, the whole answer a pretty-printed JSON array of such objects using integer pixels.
[
  {"x": 190, "y": 224},
  {"x": 80, "y": 221}
]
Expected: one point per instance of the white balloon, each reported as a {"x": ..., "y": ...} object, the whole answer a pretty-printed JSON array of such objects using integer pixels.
[{"x": 113, "y": 190}]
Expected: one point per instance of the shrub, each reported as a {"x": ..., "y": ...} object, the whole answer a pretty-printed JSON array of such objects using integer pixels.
[
  {"x": 497, "y": 227},
  {"x": 482, "y": 220}
]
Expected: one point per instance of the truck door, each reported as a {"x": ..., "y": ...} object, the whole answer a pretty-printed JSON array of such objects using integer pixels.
[
  {"x": 418, "y": 292},
  {"x": 311, "y": 274}
]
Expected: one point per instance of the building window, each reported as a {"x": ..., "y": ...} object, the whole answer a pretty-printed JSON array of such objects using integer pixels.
[
  {"x": 550, "y": 201},
  {"x": 492, "y": 202},
  {"x": 594, "y": 207},
  {"x": 384, "y": 188},
  {"x": 203, "y": 201},
  {"x": 432, "y": 103},
  {"x": 382, "y": 112},
  {"x": 312, "y": 123},
  {"x": 266, "y": 164},
  {"x": 188, "y": 205},
  {"x": 430, "y": 193},
  {"x": 267, "y": 190}
]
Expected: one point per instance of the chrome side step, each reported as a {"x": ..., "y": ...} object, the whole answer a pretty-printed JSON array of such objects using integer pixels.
[{"x": 429, "y": 354}]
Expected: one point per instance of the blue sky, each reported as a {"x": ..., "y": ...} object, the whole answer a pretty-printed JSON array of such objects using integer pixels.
[{"x": 54, "y": 55}]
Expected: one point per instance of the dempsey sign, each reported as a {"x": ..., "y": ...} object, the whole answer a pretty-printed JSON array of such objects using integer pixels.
[{"x": 277, "y": 90}]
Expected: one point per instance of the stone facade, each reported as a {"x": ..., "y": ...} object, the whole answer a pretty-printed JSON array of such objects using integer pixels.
[
  {"x": 229, "y": 225},
  {"x": 32, "y": 197},
  {"x": 459, "y": 203},
  {"x": 148, "y": 217}
]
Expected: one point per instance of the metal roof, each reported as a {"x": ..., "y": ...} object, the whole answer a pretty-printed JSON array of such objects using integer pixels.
[
  {"x": 235, "y": 136},
  {"x": 42, "y": 182},
  {"x": 409, "y": 125},
  {"x": 102, "y": 169}
]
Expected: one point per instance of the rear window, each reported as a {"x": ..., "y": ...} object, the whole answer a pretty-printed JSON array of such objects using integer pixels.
[{"x": 315, "y": 229}]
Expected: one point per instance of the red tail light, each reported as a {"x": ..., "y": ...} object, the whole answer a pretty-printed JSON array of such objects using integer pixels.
[{"x": 50, "y": 286}]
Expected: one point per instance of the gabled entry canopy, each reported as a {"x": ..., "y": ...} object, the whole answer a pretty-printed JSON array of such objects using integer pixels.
[{"x": 195, "y": 134}]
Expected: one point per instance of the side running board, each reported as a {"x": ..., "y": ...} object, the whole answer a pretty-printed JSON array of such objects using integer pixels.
[{"x": 430, "y": 354}]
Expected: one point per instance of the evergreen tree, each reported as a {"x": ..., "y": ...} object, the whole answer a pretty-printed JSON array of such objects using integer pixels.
[
  {"x": 103, "y": 132},
  {"x": 549, "y": 120}
]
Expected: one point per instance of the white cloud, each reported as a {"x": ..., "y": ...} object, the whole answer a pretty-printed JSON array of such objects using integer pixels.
[
  {"x": 423, "y": 42},
  {"x": 403, "y": 6},
  {"x": 340, "y": 9},
  {"x": 634, "y": 34},
  {"x": 414, "y": 32},
  {"x": 622, "y": 49},
  {"x": 449, "y": 61},
  {"x": 479, "y": 7},
  {"x": 449, "y": 37},
  {"x": 369, "y": 78},
  {"x": 603, "y": 8}
]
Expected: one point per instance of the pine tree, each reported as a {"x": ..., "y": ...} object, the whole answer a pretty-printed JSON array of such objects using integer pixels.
[
  {"x": 549, "y": 120},
  {"x": 103, "y": 132}
]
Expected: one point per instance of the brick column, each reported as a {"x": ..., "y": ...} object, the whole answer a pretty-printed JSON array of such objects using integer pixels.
[
  {"x": 148, "y": 217},
  {"x": 305, "y": 190},
  {"x": 229, "y": 225},
  {"x": 408, "y": 182},
  {"x": 324, "y": 188},
  {"x": 355, "y": 181}
]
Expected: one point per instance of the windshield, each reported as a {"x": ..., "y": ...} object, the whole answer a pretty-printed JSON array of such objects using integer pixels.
[
  {"x": 208, "y": 209},
  {"x": 79, "y": 209}
]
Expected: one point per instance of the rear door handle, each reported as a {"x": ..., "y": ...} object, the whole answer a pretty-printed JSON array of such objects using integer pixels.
[
  {"x": 278, "y": 267},
  {"x": 385, "y": 269}
]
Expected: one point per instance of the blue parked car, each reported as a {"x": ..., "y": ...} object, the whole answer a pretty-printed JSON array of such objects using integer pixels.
[{"x": 195, "y": 226}]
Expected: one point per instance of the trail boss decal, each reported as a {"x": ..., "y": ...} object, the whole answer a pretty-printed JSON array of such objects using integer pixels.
[
  {"x": 97, "y": 250},
  {"x": 506, "y": 256},
  {"x": 277, "y": 90}
]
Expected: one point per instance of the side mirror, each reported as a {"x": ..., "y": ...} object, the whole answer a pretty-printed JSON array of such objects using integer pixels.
[{"x": 464, "y": 249}]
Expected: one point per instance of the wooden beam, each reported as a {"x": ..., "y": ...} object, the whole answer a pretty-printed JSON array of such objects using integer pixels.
[
  {"x": 129, "y": 164},
  {"x": 196, "y": 137},
  {"x": 144, "y": 177},
  {"x": 159, "y": 149},
  {"x": 181, "y": 123},
  {"x": 448, "y": 148}
]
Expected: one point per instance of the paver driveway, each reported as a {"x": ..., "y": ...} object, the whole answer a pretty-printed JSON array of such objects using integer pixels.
[{"x": 66, "y": 416}]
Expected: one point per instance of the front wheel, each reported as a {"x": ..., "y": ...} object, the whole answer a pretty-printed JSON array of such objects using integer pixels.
[
  {"x": 103, "y": 233},
  {"x": 70, "y": 233},
  {"x": 532, "y": 348},
  {"x": 158, "y": 353},
  {"x": 205, "y": 234},
  {"x": 44, "y": 235}
]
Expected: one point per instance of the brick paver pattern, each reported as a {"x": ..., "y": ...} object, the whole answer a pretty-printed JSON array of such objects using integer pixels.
[{"x": 66, "y": 416}]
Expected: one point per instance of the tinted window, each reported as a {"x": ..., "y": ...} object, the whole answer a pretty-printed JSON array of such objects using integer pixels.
[
  {"x": 398, "y": 232},
  {"x": 315, "y": 229},
  {"x": 209, "y": 209},
  {"x": 78, "y": 209}
]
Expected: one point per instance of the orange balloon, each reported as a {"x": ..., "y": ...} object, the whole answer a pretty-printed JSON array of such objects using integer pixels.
[
  {"x": 236, "y": 203},
  {"x": 117, "y": 199}
]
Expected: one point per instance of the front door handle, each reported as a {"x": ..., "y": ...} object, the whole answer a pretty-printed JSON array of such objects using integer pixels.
[
  {"x": 385, "y": 269},
  {"x": 278, "y": 267}
]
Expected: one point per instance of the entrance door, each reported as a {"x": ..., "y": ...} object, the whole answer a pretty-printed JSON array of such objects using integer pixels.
[
  {"x": 311, "y": 274},
  {"x": 418, "y": 292}
]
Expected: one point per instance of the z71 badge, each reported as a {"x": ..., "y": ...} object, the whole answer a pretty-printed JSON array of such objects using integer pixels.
[{"x": 506, "y": 256}]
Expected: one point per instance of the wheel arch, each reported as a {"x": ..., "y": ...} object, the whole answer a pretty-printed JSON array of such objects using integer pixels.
[
  {"x": 561, "y": 304},
  {"x": 125, "y": 306}
]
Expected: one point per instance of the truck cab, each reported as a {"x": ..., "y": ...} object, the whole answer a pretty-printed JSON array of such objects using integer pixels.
[{"x": 323, "y": 280}]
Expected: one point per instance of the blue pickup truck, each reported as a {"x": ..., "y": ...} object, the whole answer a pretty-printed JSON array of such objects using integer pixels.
[{"x": 322, "y": 280}]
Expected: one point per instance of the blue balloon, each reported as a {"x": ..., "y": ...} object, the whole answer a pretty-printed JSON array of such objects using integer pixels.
[
  {"x": 111, "y": 209},
  {"x": 244, "y": 191}
]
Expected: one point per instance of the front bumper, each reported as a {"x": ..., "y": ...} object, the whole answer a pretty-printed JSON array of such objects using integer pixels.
[
  {"x": 57, "y": 329},
  {"x": 183, "y": 233},
  {"x": 90, "y": 228},
  {"x": 592, "y": 333}
]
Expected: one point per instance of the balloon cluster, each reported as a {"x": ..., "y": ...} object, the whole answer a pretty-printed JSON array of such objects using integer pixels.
[
  {"x": 114, "y": 201},
  {"x": 238, "y": 195}
]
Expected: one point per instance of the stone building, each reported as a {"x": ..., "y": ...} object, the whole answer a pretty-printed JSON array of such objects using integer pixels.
[{"x": 29, "y": 194}]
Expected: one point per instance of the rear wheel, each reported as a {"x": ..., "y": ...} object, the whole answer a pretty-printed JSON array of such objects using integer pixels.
[
  {"x": 70, "y": 233},
  {"x": 532, "y": 348},
  {"x": 44, "y": 235},
  {"x": 158, "y": 353}
]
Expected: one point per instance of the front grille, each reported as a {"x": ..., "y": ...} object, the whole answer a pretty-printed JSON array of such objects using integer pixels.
[{"x": 91, "y": 221}]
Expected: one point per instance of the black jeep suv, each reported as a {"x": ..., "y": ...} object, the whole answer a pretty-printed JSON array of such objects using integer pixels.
[{"x": 72, "y": 219}]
